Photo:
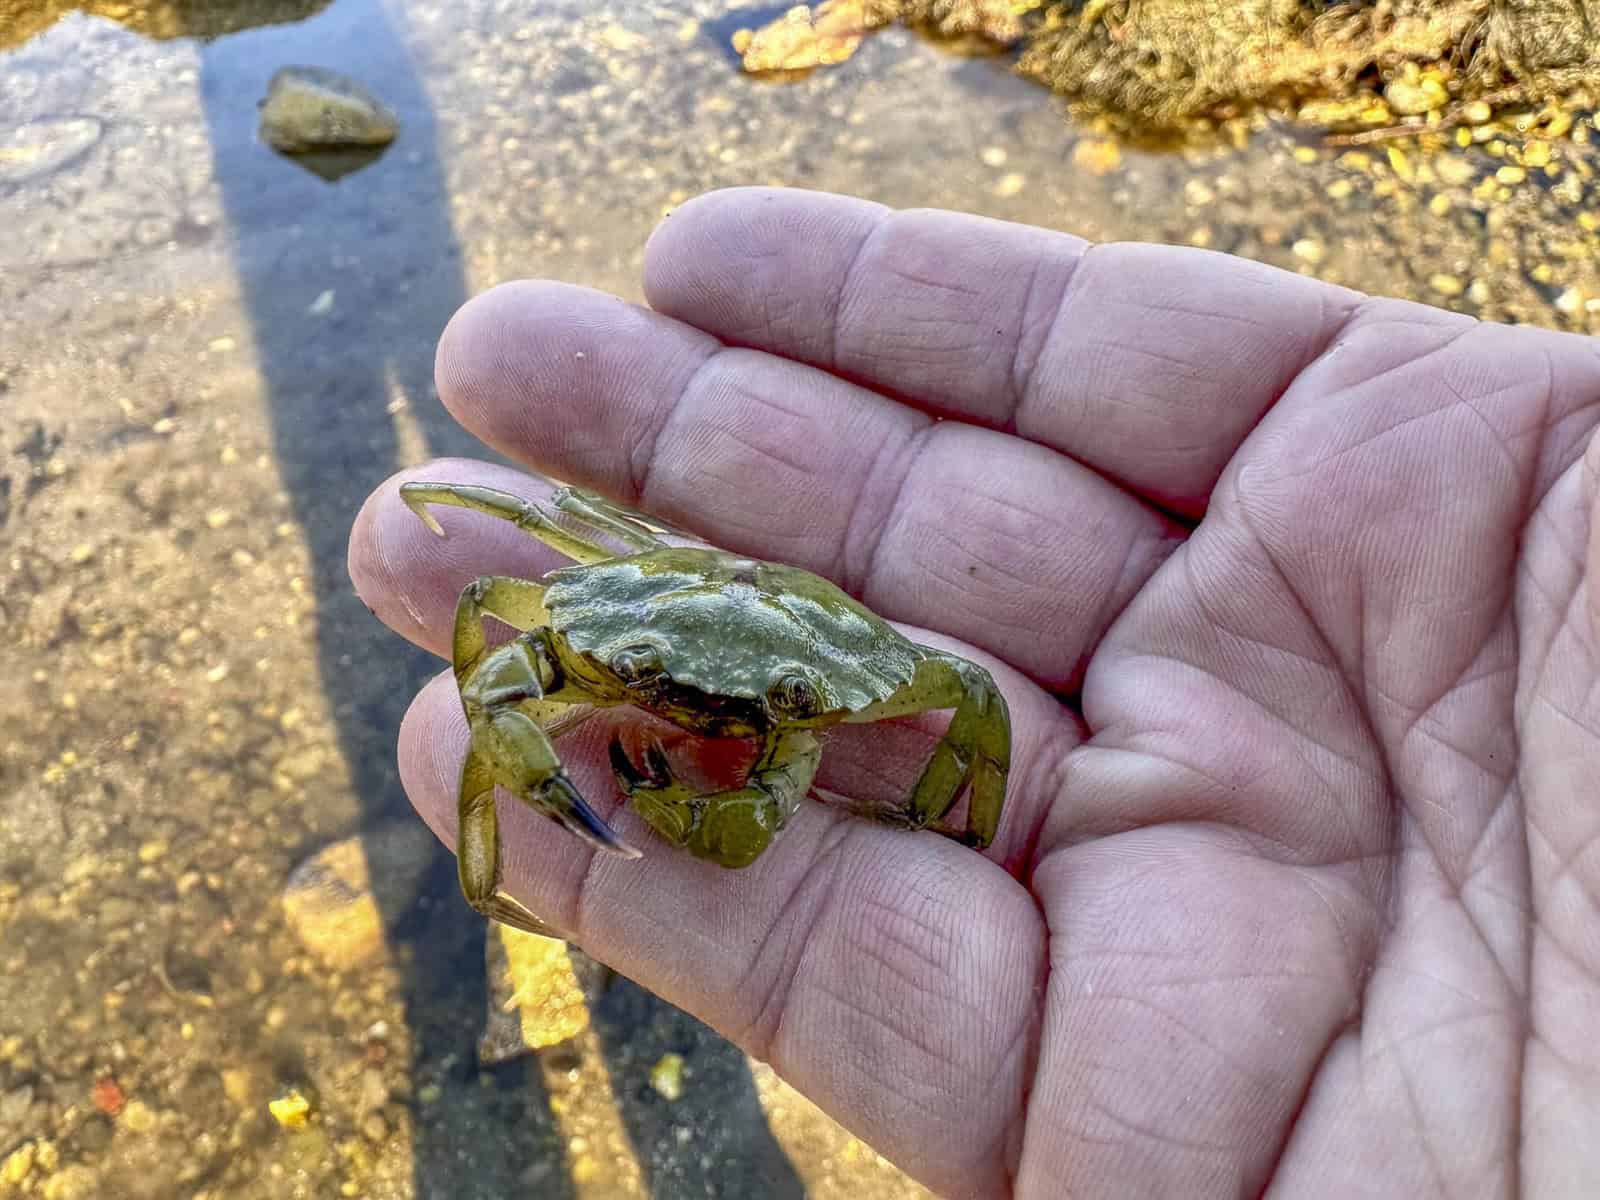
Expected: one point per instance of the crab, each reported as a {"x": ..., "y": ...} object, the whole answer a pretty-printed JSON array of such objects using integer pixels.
[{"x": 719, "y": 645}]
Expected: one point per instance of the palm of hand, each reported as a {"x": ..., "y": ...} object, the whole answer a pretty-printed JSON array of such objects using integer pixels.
[{"x": 1312, "y": 906}]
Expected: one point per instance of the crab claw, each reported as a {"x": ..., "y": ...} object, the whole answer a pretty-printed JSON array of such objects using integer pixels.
[{"x": 563, "y": 802}]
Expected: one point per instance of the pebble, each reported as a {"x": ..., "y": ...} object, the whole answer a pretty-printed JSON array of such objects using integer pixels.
[
  {"x": 1453, "y": 169},
  {"x": 312, "y": 108},
  {"x": 1098, "y": 156},
  {"x": 1308, "y": 250},
  {"x": 374, "y": 1128},
  {"x": 138, "y": 1117},
  {"x": 993, "y": 156},
  {"x": 18, "y": 1165},
  {"x": 291, "y": 1110},
  {"x": 535, "y": 999},
  {"x": 666, "y": 1077},
  {"x": 1477, "y": 112},
  {"x": 75, "y": 1181},
  {"x": 1009, "y": 184},
  {"x": 1446, "y": 285},
  {"x": 1412, "y": 99},
  {"x": 1510, "y": 174},
  {"x": 332, "y": 902},
  {"x": 242, "y": 1086}
]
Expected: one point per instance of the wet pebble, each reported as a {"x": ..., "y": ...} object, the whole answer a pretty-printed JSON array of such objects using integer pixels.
[
  {"x": 310, "y": 108},
  {"x": 336, "y": 900},
  {"x": 666, "y": 1077}
]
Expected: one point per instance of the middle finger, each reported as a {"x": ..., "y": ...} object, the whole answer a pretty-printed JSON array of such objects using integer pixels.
[{"x": 1008, "y": 545}]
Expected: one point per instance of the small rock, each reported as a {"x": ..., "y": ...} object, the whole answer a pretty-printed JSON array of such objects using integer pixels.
[
  {"x": 75, "y": 1181},
  {"x": 138, "y": 1117},
  {"x": 336, "y": 900},
  {"x": 312, "y": 108},
  {"x": 1446, "y": 285},
  {"x": 1010, "y": 184},
  {"x": 1098, "y": 156},
  {"x": 1477, "y": 113},
  {"x": 374, "y": 1091},
  {"x": 242, "y": 1086},
  {"x": 107, "y": 1095},
  {"x": 374, "y": 1128},
  {"x": 1453, "y": 169},
  {"x": 18, "y": 1165},
  {"x": 535, "y": 999},
  {"x": 291, "y": 1110},
  {"x": 1412, "y": 99},
  {"x": 666, "y": 1077},
  {"x": 1308, "y": 250},
  {"x": 36, "y": 149},
  {"x": 1511, "y": 174}
]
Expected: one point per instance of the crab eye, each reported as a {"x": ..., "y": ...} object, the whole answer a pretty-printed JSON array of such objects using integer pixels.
[
  {"x": 794, "y": 696},
  {"x": 635, "y": 664}
]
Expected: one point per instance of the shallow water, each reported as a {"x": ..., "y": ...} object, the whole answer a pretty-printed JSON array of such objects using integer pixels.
[{"x": 208, "y": 356}]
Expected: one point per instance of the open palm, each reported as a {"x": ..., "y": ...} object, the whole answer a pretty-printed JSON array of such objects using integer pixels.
[{"x": 1296, "y": 886}]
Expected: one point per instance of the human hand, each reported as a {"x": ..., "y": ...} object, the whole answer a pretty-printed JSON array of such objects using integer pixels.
[{"x": 1296, "y": 882}]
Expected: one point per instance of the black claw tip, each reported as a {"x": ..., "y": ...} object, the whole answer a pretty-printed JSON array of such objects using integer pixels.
[{"x": 573, "y": 811}]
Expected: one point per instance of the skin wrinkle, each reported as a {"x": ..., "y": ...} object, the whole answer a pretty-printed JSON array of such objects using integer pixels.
[
  {"x": 857, "y": 551},
  {"x": 1265, "y": 709},
  {"x": 642, "y": 458},
  {"x": 1368, "y": 732},
  {"x": 911, "y": 454},
  {"x": 1023, "y": 361},
  {"x": 1419, "y": 1126},
  {"x": 803, "y": 914},
  {"x": 886, "y": 219}
]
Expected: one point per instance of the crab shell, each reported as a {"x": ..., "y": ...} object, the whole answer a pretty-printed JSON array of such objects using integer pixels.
[{"x": 728, "y": 626}]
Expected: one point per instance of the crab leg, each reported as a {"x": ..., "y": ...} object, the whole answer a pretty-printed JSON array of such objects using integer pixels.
[
  {"x": 533, "y": 519},
  {"x": 503, "y": 691},
  {"x": 618, "y": 520},
  {"x": 975, "y": 751},
  {"x": 730, "y": 828}
]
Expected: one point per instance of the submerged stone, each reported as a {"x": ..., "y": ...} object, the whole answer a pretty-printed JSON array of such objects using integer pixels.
[{"x": 313, "y": 108}]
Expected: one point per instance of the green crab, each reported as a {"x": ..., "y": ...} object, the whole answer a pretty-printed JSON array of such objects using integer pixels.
[{"x": 716, "y": 643}]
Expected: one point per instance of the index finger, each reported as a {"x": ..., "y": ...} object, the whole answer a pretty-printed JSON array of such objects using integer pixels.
[{"x": 1148, "y": 363}]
